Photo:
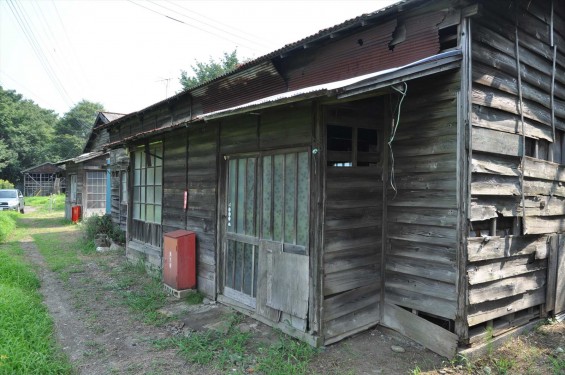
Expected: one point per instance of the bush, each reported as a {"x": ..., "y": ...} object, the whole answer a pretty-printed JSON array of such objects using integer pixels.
[
  {"x": 4, "y": 184},
  {"x": 7, "y": 223},
  {"x": 94, "y": 225}
]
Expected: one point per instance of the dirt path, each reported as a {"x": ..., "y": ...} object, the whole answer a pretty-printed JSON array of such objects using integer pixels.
[{"x": 95, "y": 331}]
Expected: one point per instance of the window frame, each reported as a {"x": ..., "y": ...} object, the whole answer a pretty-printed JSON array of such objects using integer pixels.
[{"x": 147, "y": 199}]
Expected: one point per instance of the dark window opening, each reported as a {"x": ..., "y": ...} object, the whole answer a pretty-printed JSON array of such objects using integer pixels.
[
  {"x": 367, "y": 147},
  {"x": 501, "y": 226},
  {"x": 530, "y": 147},
  {"x": 340, "y": 146},
  {"x": 448, "y": 37}
]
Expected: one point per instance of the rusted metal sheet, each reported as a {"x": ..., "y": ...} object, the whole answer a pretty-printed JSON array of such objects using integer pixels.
[
  {"x": 366, "y": 52},
  {"x": 257, "y": 82}
]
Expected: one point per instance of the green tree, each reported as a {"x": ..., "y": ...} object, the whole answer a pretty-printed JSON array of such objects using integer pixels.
[
  {"x": 79, "y": 120},
  {"x": 7, "y": 156},
  {"x": 206, "y": 71},
  {"x": 26, "y": 131}
]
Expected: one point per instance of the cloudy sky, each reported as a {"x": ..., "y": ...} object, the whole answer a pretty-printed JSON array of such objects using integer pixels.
[{"x": 127, "y": 54}]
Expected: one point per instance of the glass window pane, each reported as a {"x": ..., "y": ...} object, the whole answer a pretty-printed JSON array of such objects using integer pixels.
[
  {"x": 250, "y": 198},
  {"x": 159, "y": 176},
  {"x": 255, "y": 274},
  {"x": 238, "y": 277},
  {"x": 142, "y": 198},
  {"x": 232, "y": 183},
  {"x": 159, "y": 152},
  {"x": 158, "y": 195},
  {"x": 230, "y": 263},
  {"x": 278, "y": 197},
  {"x": 158, "y": 214},
  {"x": 150, "y": 194},
  {"x": 303, "y": 209},
  {"x": 247, "y": 269},
  {"x": 150, "y": 213},
  {"x": 289, "y": 198},
  {"x": 137, "y": 158},
  {"x": 241, "y": 169},
  {"x": 142, "y": 212},
  {"x": 137, "y": 177},
  {"x": 136, "y": 194},
  {"x": 267, "y": 197},
  {"x": 150, "y": 176}
]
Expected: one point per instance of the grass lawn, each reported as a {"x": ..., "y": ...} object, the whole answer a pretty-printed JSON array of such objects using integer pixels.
[{"x": 27, "y": 345}]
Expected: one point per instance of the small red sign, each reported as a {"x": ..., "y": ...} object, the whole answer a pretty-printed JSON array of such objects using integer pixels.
[{"x": 186, "y": 199}]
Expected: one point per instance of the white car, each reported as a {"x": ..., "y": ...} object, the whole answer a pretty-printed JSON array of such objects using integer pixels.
[{"x": 11, "y": 199}]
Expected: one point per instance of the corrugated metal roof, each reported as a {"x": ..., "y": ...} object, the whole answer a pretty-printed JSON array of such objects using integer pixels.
[
  {"x": 348, "y": 86},
  {"x": 83, "y": 157},
  {"x": 326, "y": 88},
  {"x": 111, "y": 116},
  {"x": 359, "y": 21}
]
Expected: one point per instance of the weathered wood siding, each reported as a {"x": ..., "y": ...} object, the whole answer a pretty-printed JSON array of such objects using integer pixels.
[
  {"x": 352, "y": 228},
  {"x": 422, "y": 213},
  {"x": 517, "y": 197},
  {"x": 189, "y": 164},
  {"x": 119, "y": 165}
]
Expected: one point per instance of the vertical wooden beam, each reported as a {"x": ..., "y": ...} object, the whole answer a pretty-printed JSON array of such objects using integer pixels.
[
  {"x": 552, "y": 269},
  {"x": 388, "y": 122},
  {"x": 317, "y": 215},
  {"x": 463, "y": 177},
  {"x": 521, "y": 109}
]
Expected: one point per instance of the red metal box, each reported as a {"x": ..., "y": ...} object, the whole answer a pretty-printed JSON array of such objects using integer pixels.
[
  {"x": 75, "y": 214},
  {"x": 179, "y": 259}
]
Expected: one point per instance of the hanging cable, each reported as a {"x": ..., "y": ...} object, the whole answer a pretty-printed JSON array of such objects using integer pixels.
[{"x": 393, "y": 133}]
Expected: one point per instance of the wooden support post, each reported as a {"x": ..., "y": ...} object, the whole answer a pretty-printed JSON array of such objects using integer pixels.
[
  {"x": 492, "y": 231},
  {"x": 388, "y": 124}
]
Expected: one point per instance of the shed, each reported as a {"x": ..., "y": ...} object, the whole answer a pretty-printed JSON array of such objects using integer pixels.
[
  {"x": 43, "y": 180},
  {"x": 403, "y": 168}
]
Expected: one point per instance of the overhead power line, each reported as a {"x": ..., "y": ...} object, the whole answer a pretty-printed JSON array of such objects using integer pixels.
[
  {"x": 21, "y": 19},
  {"x": 191, "y": 25}
]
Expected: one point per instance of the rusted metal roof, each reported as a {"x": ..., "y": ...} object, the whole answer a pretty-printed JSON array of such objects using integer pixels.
[
  {"x": 364, "y": 20},
  {"x": 43, "y": 168},
  {"x": 349, "y": 87}
]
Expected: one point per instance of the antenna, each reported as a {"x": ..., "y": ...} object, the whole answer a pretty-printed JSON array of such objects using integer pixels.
[{"x": 166, "y": 80}]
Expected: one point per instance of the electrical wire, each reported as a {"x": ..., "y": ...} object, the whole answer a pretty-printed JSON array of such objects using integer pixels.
[
  {"x": 393, "y": 134},
  {"x": 190, "y": 25},
  {"x": 20, "y": 17},
  {"x": 264, "y": 43}
]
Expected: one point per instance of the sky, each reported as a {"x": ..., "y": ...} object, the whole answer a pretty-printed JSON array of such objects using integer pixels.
[{"x": 128, "y": 54}]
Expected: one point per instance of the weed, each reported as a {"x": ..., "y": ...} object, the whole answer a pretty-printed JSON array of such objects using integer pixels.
[
  {"x": 489, "y": 338},
  {"x": 558, "y": 365},
  {"x": 287, "y": 356},
  {"x": 503, "y": 365},
  {"x": 195, "y": 298},
  {"x": 416, "y": 371},
  {"x": 95, "y": 225}
]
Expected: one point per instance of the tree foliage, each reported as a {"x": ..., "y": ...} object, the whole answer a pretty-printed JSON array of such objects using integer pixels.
[
  {"x": 31, "y": 135},
  {"x": 206, "y": 71}
]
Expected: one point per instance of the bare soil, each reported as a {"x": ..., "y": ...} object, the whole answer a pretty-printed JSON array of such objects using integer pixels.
[{"x": 102, "y": 336}]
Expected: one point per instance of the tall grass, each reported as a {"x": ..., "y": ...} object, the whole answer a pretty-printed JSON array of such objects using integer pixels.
[
  {"x": 54, "y": 202},
  {"x": 7, "y": 223},
  {"x": 26, "y": 329}
]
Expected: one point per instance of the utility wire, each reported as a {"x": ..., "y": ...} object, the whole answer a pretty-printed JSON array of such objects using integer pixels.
[
  {"x": 19, "y": 15},
  {"x": 229, "y": 30},
  {"x": 190, "y": 25},
  {"x": 71, "y": 47},
  {"x": 56, "y": 51}
]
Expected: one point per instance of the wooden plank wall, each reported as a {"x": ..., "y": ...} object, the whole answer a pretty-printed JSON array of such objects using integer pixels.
[
  {"x": 119, "y": 164},
  {"x": 421, "y": 273},
  {"x": 517, "y": 197},
  {"x": 352, "y": 235},
  {"x": 190, "y": 164}
]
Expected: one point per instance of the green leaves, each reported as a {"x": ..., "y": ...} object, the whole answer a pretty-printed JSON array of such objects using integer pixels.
[{"x": 206, "y": 71}]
